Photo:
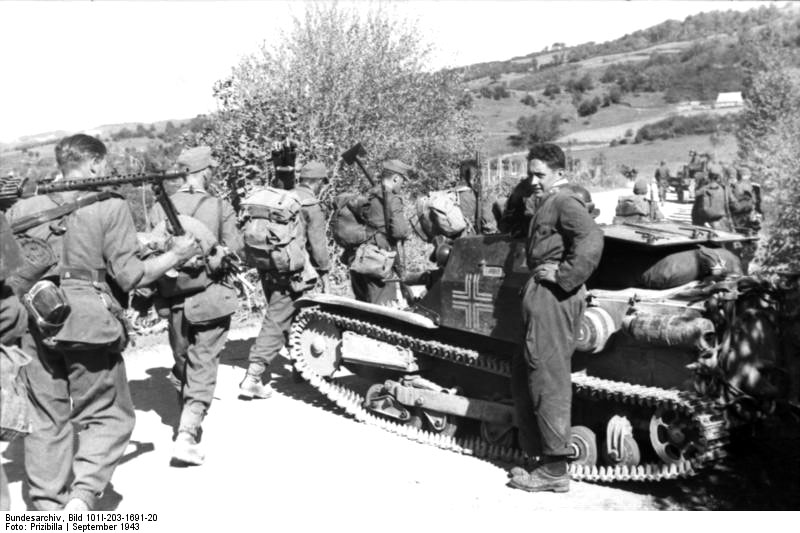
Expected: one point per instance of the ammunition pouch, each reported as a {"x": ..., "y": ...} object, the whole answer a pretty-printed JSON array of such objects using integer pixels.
[
  {"x": 48, "y": 306},
  {"x": 370, "y": 260}
]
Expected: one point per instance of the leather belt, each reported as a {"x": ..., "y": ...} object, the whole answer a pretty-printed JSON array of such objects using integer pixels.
[{"x": 84, "y": 274}]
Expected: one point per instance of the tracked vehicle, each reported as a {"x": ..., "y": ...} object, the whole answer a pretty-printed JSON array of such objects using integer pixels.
[{"x": 659, "y": 378}]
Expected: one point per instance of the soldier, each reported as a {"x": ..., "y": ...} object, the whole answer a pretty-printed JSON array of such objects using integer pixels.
[
  {"x": 520, "y": 206},
  {"x": 662, "y": 180},
  {"x": 742, "y": 203},
  {"x": 197, "y": 341},
  {"x": 711, "y": 202},
  {"x": 78, "y": 379},
  {"x": 467, "y": 198},
  {"x": 564, "y": 246},
  {"x": 637, "y": 208},
  {"x": 386, "y": 234},
  {"x": 281, "y": 293}
]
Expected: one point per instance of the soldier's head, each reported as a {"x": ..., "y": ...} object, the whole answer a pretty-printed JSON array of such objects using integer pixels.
[
  {"x": 313, "y": 175},
  {"x": 468, "y": 171},
  {"x": 640, "y": 186},
  {"x": 394, "y": 174},
  {"x": 546, "y": 164},
  {"x": 198, "y": 164},
  {"x": 744, "y": 173},
  {"x": 663, "y": 163},
  {"x": 81, "y": 156},
  {"x": 714, "y": 172},
  {"x": 584, "y": 194}
]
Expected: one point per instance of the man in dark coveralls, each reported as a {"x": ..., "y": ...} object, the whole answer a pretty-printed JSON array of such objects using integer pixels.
[
  {"x": 564, "y": 246},
  {"x": 386, "y": 233},
  {"x": 79, "y": 376},
  {"x": 281, "y": 293},
  {"x": 197, "y": 344}
]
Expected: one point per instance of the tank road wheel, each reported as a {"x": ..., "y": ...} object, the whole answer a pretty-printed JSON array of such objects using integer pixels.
[
  {"x": 321, "y": 345},
  {"x": 671, "y": 437},
  {"x": 619, "y": 446},
  {"x": 584, "y": 446}
]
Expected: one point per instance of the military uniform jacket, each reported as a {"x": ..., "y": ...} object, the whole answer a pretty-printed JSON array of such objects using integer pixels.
[
  {"x": 99, "y": 236},
  {"x": 742, "y": 200},
  {"x": 662, "y": 175},
  {"x": 215, "y": 213},
  {"x": 49, "y": 232},
  {"x": 466, "y": 203},
  {"x": 386, "y": 235},
  {"x": 314, "y": 223},
  {"x": 562, "y": 231}
]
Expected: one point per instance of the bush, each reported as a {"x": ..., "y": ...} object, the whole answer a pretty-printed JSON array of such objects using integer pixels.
[
  {"x": 551, "y": 90},
  {"x": 677, "y": 126},
  {"x": 528, "y": 99},
  {"x": 587, "y": 107},
  {"x": 615, "y": 95},
  {"x": 542, "y": 127}
]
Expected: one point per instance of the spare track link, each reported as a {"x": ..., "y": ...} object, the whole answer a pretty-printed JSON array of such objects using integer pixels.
[{"x": 705, "y": 415}]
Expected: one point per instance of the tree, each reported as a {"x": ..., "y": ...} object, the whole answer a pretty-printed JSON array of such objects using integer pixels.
[
  {"x": 551, "y": 90},
  {"x": 588, "y": 107},
  {"x": 338, "y": 77},
  {"x": 538, "y": 128}
]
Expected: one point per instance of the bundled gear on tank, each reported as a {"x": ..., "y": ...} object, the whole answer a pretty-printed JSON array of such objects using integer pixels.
[
  {"x": 274, "y": 236},
  {"x": 347, "y": 225},
  {"x": 711, "y": 203},
  {"x": 371, "y": 260},
  {"x": 632, "y": 206},
  {"x": 440, "y": 213}
]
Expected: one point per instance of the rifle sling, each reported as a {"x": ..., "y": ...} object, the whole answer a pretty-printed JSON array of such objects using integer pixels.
[{"x": 31, "y": 221}]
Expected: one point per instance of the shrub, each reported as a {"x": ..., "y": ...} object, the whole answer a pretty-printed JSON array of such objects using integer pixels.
[
  {"x": 528, "y": 99},
  {"x": 677, "y": 126},
  {"x": 551, "y": 90},
  {"x": 587, "y": 107},
  {"x": 541, "y": 127}
]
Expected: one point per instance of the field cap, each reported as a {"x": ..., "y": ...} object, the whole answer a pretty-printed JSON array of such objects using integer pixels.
[
  {"x": 195, "y": 159},
  {"x": 313, "y": 170},
  {"x": 398, "y": 167}
]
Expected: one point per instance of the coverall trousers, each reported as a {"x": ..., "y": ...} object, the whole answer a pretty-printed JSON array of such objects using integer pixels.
[
  {"x": 540, "y": 376},
  {"x": 274, "y": 332},
  {"x": 196, "y": 350},
  {"x": 87, "y": 388}
]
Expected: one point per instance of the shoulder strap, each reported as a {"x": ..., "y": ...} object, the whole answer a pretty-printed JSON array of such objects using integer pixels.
[
  {"x": 219, "y": 220},
  {"x": 31, "y": 221}
]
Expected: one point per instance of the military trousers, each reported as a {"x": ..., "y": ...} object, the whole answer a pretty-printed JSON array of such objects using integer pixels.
[
  {"x": 373, "y": 290},
  {"x": 196, "y": 350},
  {"x": 541, "y": 372},
  {"x": 82, "y": 391},
  {"x": 274, "y": 332}
]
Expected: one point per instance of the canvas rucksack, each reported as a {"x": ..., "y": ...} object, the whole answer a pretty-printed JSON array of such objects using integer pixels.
[
  {"x": 348, "y": 228},
  {"x": 712, "y": 204},
  {"x": 274, "y": 232},
  {"x": 445, "y": 213}
]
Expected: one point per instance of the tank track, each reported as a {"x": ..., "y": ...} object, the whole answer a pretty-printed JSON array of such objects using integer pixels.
[{"x": 705, "y": 415}]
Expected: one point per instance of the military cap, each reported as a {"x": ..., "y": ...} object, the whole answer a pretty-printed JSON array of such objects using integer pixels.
[
  {"x": 640, "y": 186},
  {"x": 195, "y": 159},
  {"x": 714, "y": 170},
  {"x": 313, "y": 170},
  {"x": 398, "y": 167}
]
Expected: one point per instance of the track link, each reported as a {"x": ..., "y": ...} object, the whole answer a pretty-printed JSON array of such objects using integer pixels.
[{"x": 705, "y": 416}]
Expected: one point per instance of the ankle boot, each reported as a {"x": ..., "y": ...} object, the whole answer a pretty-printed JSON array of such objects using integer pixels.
[
  {"x": 251, "y": 386},
  {"x": 187, "y": 450}
]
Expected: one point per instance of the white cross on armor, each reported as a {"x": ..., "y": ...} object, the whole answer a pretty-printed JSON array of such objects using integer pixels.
[{"x": 472, "y": 301}]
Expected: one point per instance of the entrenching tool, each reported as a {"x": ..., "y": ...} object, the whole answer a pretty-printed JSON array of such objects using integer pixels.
[{"x": 353, "y": 155}]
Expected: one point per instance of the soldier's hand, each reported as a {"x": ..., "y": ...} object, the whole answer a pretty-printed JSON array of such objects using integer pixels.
[
  {"x": 545, "y": 272},
  {"x": 185, "y": 246}
]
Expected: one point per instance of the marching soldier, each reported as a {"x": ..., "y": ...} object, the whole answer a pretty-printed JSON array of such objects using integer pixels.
[
  {"x": 281, "y": 293},
  {"x": 662, "y": 180},
  {"x": 638, "y": 207},
  {"x": 199, "y": 308},
  {"x": 743, "y": 203},
  {"x": 78, "y": 379},
  {"x": 564, "y": 246},
  {"x": 386, "y": 221}
]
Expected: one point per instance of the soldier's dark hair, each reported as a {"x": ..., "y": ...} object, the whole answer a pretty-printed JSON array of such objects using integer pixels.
[
  {"x": 76, "y": 149},
  {"x": 550, "y": 154},
  {"x": 467, "y": 169}
]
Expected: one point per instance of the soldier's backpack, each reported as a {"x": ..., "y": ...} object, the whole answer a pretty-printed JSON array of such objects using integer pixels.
[
  {"x": 631, "y": 206},
  {"x": 712, "y": 204},
  {"x": 445, "y": 213},
  {"x": 274, "y": 232},
  {"x": 347, "y": 223}
]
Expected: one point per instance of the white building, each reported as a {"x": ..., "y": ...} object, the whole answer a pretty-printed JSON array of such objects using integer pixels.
[{"x": 729, "y": 100}]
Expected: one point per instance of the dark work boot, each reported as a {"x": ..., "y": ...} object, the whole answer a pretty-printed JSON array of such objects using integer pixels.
[
  {"x": 251, "y": 386},
  {"x": 549, "y": 477}
]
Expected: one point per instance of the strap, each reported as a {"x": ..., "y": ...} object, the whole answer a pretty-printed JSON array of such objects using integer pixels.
[
  {"x": 219, "y": 221},
  {"x": 31, "y": 221},
  {"x": 94, "y": 275}
]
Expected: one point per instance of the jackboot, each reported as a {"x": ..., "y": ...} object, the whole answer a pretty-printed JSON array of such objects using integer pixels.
[{"x": 252, "y": 386}]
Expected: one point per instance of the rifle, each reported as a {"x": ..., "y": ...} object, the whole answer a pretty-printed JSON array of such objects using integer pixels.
[{"x": 477, "y": 187}]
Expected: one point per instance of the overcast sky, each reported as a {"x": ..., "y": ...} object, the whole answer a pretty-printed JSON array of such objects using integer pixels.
[{"x": 158, "y": 60}]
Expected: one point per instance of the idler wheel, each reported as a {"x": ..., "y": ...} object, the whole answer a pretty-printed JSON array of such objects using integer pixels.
[
  {"x": 671, "y": 437},
  {"x": 321, "y": 346},
  {"x": 584, "y": 446}
]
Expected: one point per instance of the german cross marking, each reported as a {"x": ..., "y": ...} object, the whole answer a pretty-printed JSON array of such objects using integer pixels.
[{"x": 472, "y": 301}]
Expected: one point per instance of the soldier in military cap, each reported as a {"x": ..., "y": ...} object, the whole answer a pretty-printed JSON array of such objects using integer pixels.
[
  {"x": 199, "y": 307},
  {"x": 389, "y": 227},
  {"x": 563, "y": 246},
  {"x": 281, "y": 293},
  {"x": 638, "y": 207},
  {"x": 78, "y": 379}
]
